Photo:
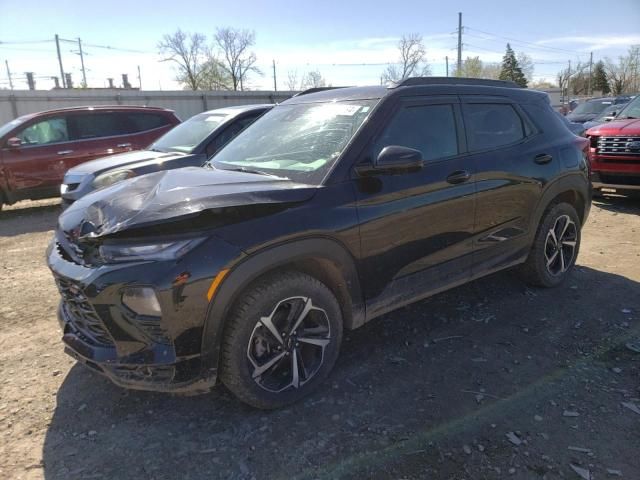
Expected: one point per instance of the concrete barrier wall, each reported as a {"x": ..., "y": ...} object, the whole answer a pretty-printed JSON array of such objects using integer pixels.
[{"x": 14, "y": 103}]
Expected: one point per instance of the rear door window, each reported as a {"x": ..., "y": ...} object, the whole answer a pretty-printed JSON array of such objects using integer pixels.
[
  {"x": 45, "y": 132},
  {"x": 97, "y": 125},
  {"x": 428, "y": 128},
  {"x": 492, "y": 125}
]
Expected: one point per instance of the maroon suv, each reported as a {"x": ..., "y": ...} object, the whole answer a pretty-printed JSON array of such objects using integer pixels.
[{"x": 37, "y": 149}]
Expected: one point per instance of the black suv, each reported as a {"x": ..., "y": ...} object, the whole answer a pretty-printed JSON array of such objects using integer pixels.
[{"x": 332, "y": 209}]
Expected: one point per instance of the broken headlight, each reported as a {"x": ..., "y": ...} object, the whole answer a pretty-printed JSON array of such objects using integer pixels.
[
  {"x": 113, "y": 253},
  {"x": 110, "y": 178}
]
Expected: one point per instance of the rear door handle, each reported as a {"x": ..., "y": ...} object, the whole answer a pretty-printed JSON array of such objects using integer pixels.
[
  {"x": 124, "y": 145},
  {"x": 542, "y": 158},
  {"x": 459, "y": 176},
  {"x": 65, "y": 152}
]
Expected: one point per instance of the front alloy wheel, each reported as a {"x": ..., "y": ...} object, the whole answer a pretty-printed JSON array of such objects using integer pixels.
[
  {"x": 281, "y": 339},
  {"x": 286, "y": 348}
]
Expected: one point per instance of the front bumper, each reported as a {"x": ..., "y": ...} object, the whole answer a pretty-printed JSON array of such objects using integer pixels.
[
  {"x": 620, "y": 182},
  {"x": 147, "y": 353}
]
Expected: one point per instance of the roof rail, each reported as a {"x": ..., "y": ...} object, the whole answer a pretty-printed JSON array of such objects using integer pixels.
[
  {"x": 314, "y": 90},
  {"x": 412, "y": 81}
]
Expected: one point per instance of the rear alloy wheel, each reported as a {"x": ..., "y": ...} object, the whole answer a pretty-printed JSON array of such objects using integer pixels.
[
  {"x": 555, "y": 247},
  {"x": 560, "y": 246},
  {"x": 281, "y": 341}
]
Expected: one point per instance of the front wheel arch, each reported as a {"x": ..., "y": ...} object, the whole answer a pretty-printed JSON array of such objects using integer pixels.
[{"x": 323, "y": 258}]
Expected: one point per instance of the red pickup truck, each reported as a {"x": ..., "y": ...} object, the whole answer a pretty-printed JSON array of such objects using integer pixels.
[
  {"x": 37, "y": 149},
  {"x": 615, "y": 152}
]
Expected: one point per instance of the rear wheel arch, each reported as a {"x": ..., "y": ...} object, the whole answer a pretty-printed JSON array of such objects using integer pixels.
[
  {"x": 573, "y": 190},
  {"x": 322, "y": 258}
]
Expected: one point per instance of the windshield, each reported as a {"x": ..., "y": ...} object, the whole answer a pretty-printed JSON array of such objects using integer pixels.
[
  {"x": 188, "y": 135},
  {"x": 300, "y": 142},
  {"x": 591, "y": 107},
  {"x": 608, "y": 111},
  {"x": 632, "y": 110},
  {"x": 7, "y": 127}
]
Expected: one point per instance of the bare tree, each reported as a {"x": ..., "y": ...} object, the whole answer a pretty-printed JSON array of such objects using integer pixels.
[
  {"x": 412, "y": 61},
  {"x": 188, "y": 51},
  {"x": 313, "y": 79},
  {"x": 526, "y": 65},
  {"x": 292, "y": 80},
  {"x": 491, "y": 70},
  {"x": 623, "y": 76},
  {"x": 237, "y": 60},
  {"x": 471, "y": 68}
]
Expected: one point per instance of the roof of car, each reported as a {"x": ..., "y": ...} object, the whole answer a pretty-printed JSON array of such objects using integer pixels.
[
  {"x": 238, "y": 109},
  {"x": 90, "y": 108},
  {"x": 426, "y": 85}
]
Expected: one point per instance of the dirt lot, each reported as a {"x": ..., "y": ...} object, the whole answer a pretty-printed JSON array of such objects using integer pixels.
[{"x": 490, "y": 380}]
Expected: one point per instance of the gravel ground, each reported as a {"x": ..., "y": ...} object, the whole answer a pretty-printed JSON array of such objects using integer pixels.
[{"x": 490, "y": 380}]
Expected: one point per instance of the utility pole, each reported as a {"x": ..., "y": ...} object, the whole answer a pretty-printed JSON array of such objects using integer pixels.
[
  {"x": 459, "y": 44},
  {"x": 84, "y": 73},
  {"x": 139, "y": 78},
  {"x": 590, "y": 68},
  {"x": 6, "y": 62},
  {"x": 64, "y": 85},
  {"x": 568, "y": 81},
  {"x": 275, "y": 84},
  {"x": 446, "y": 59}
]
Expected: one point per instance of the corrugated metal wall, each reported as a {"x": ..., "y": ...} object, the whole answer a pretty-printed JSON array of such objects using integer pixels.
[{"x": 14, "y": 103}]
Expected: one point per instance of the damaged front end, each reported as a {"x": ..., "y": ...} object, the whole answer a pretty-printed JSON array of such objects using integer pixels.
[{"x": 134, "y": 264}]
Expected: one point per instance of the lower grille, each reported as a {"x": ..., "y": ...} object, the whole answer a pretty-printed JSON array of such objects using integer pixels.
[
  {"x": 81, "y": 314},
  {"x": 624, "y": 146},
  {"x": 613, "y": 179}
]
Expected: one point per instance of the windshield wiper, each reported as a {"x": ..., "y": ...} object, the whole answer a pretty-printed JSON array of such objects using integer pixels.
[
  {"x": 627, "y": 117},
  {"x": 251, "y": 170}
]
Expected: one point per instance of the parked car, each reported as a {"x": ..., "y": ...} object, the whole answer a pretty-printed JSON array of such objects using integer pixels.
[
  {"x": 590, "y": 109},
  {"x": 36, "y": 149},
  {"x": 576, "y": 128},
  {"x": 189, "y": 144},
  {"x": 606, "y": 115},
  {"x": 615, "y": 152},
  {"x": 330, "y": 210}
]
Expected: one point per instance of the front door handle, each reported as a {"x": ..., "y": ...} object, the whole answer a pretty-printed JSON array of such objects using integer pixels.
[
  {"x": 65, "y": 152},
  {"x": 124, "y": 145},
  {"x": 459, "y": 176},
  {"x": 542, "y": 158}
]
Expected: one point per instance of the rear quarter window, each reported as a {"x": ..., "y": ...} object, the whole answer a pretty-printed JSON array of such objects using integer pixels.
[
  {"x": 140, "y": 122},
  {"x": 492, "y": 125}
]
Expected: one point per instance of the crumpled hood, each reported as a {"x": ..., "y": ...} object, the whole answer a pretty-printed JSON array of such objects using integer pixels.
[
  {"x": 100, "y": 165},
  {"x": 170, "y": 195}
]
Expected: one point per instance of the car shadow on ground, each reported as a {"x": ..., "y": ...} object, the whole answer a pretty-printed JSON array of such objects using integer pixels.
[
  {"x": 617, "y": 203},
  {"x": 406, "y": 387},
  {"x": 34, "y": 217}
]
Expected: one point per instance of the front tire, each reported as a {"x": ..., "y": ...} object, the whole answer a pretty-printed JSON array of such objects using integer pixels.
[
  {"x": 281, "y": 341},
  {"x": 555, "y": 247}
]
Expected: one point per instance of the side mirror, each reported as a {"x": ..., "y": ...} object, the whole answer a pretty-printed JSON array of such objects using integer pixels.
[
  {"x": 14, "y": 142},
  {"x": 394, "y": 159}
]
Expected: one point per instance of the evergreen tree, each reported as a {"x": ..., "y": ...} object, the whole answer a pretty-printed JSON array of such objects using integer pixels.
[
  {"x": 600, "y": 80},
  {"x": 511, "y": 69}
]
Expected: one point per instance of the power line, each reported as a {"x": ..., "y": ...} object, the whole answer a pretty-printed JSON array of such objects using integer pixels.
[{"x": 532, "y": 44}]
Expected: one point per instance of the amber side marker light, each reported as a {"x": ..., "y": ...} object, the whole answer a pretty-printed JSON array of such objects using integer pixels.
[{"x": 216, "y": 283}]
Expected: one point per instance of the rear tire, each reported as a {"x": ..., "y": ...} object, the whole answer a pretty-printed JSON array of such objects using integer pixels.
[
  {"x": 555, "y": 247},
  {"x": 281, "y": 341}
]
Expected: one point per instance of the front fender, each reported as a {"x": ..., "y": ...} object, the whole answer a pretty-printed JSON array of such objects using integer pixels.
[{"x": 266, "y": 260}]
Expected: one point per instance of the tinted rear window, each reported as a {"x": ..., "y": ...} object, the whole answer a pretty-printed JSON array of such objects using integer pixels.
[
  {"x": 492, "y": 125},
  {"x": 87, "y": 126}
]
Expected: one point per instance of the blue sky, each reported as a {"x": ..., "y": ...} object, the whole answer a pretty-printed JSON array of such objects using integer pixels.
[{"x": 335, "y": 37}]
